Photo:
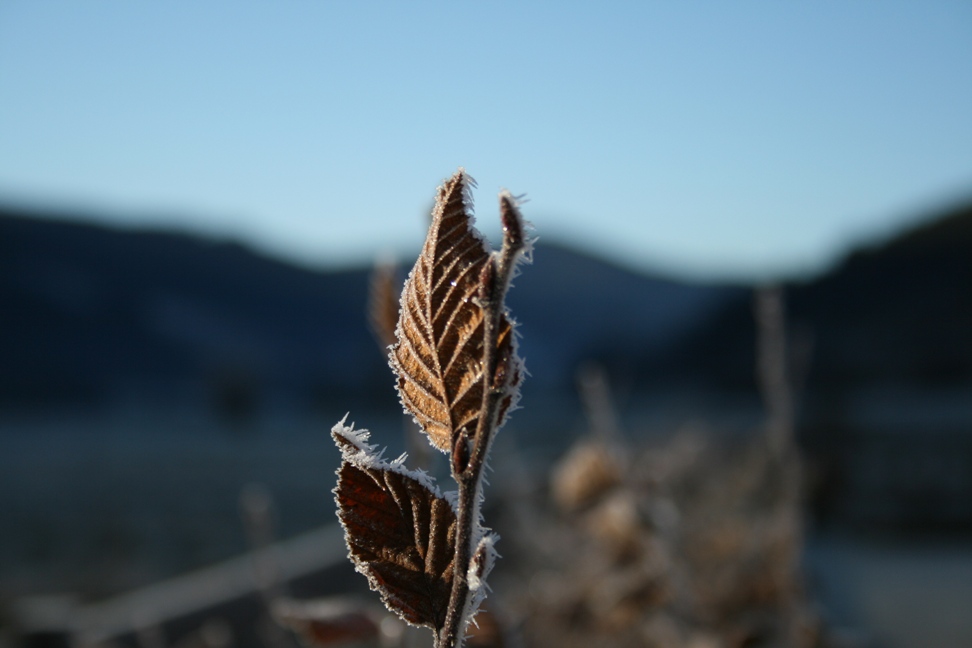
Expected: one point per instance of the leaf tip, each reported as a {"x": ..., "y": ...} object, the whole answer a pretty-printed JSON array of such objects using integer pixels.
[
  {"x": 349, "y": 440},
  {"x": 458, "y": 187}
]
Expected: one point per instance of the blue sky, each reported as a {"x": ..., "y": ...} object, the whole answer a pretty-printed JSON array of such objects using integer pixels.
[{"x": 705, "y": 139}]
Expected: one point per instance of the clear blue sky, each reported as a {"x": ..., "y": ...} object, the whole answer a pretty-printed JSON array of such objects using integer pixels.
[{"x": 714, "y": 139}]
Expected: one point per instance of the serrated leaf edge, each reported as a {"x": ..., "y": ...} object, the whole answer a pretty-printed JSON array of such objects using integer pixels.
[{"x": 367, "y": 456}]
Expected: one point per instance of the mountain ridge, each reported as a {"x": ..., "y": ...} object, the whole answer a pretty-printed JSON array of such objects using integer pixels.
[{"x": 95, "y": 312}]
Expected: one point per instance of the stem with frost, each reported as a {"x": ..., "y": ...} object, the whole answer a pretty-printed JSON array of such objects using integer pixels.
[{"x": 467, "y": 467}]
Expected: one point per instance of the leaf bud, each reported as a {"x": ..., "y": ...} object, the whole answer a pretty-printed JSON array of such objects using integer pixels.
[
  {"x": 512, "y": 222},
  {"x": 487, "y": 282},
  {"x": 460, "y": 451}
]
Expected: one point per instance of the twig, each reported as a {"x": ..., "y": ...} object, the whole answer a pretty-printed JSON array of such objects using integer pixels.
[{"x": 494, "y": 282}]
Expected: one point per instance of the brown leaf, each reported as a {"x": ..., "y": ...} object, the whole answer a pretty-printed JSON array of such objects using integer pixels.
[
  {"x": 325, "y": 622},
  {"x": 585, "y": 474},
  {"x": 438, "y": 357},
  {"x": 383, "y": 299},
  {"x": 399, "y": 528}
]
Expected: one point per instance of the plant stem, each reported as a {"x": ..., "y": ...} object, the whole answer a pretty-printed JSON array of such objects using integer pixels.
[
  {"x": 470, "y": 478},
  {"x": 469, "y": 481}
]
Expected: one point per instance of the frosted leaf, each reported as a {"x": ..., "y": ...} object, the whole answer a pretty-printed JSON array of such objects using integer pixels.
[
  {"x": 399, "y": 529},
  {"x": 439, "y": 353}
]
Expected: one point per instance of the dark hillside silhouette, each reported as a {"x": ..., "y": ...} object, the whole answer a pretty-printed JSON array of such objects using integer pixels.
[
  {"x": 898, "y": 313},
  {"x": 93, "y": 316}
]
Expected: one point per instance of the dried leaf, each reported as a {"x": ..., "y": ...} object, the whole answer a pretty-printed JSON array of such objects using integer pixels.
[
  {"x": 587, "y": 472},
  {"x": 399, "y": 528},
  {"x": 325, "y": 622},
  {"x": 383, "y": 298},
  {"x": 438, "y": 356}
]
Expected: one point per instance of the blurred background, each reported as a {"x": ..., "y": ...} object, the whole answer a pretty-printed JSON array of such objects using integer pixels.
[{"x": 193, "y": 196}]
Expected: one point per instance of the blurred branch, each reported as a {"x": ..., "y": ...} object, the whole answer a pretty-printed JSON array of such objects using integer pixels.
[{"x": 772, "y": 369}]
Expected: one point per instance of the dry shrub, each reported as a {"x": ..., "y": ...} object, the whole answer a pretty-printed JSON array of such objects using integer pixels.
[{"x": 689, "y": 544}]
